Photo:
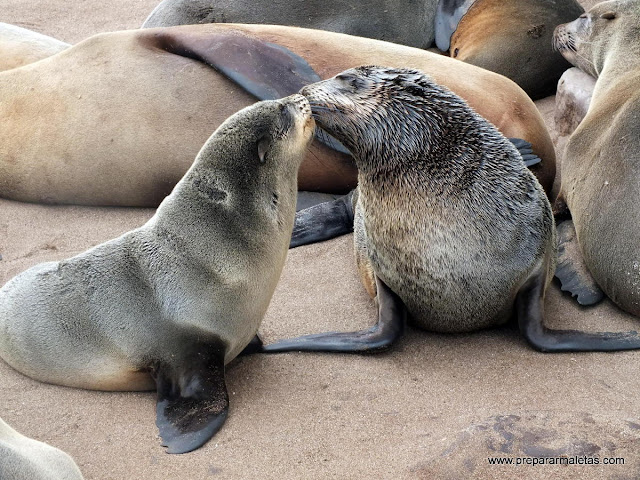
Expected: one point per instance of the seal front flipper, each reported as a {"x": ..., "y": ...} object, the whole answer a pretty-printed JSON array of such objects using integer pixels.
[
  {"x": 254, "y": 346},
  {"x": 192, "y": 398},
  {"x": 448, "y": 16},
  {"x": 323, "y": 221},
  {"x": 526, "y": 151},
  {"x": 390, "y": 327},
  {"x": 266, "y": 70},
  {"x": 530, "y": 311},
  {"x": 571, "y": 270}
]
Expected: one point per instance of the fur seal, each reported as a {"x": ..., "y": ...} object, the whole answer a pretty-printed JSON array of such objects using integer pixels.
[
  {"x": 178, "y": 298},
  {"x": 404, "y": 22},
  {"x": 19, "y": 46},
  {"x": 601, "y": 166},
  {"x": 511, "y": 38},
  {"x": 451, "y": 228},
  {"x": 22, "y": 458},
  {"x": 97, "y": 135}
]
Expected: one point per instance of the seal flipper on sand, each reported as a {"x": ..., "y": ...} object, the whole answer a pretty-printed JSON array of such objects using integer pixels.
[
  {"x": 266, "y": 70},
  {"x": 530, "y": 311},
  {"x": 323, "y": 221},
  {"x": 390, "y": 327},
  {"x": 571, "y": 270},
  {"x": 448, "y": 16},
  {"x": 192, "y": 398}
]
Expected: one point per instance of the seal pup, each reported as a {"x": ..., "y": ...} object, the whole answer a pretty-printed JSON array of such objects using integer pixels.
[
  {"x": 22, "y": 458},
  {"x": 19, "y": 46},
  {"x": 510, "y": 38},
  {"x": 404, "y": 22},
  {"x": 450, "y": 226},
  {"x": 96, "y": 135},
  {"x": 601, "y": 166},
  {"x": 178, "y": 298}
]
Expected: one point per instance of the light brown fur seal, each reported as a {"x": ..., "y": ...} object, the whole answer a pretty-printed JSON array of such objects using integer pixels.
[
  {"x": 19, "y": 46},
  {"x": 512, "y": 38},
  {"x": 450, "y": 226},
  {"x": 22, "y": 458},
  {"x": 168, "y": 304},
  {"x": 85, "y": 130},
  {"x": 601, "y": 167}
]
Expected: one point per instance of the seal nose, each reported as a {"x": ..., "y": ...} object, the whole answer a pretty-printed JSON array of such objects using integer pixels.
[{"x": 301, "y": 103}]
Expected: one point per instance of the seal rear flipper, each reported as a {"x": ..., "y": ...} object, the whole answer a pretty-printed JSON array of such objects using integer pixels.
[
  {"x": 530, "y": 311},
  {"x": 526, "y": 151},
  {"x": 571, "y": 270},
  {"x": 266, "y": 70},
  {"x": 192, "y": 399},
  {"x": 323, "y": 221},
  {"x": 390, "y": 327},
  {"x": 448, "y": 16}
]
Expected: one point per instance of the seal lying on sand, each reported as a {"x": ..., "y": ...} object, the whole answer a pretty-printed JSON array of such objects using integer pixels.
[
  {"x": 19, "y": 46},
  {"x": 23, "y": 458},
  {"x": 510, "y": 38},
  {"x": 450, "y": 225},
  {"x": 94, "y": 134},
  {"x": 405, "y": 22},
  {"x": 602, "y": 161},
  {"x": 178, "y": 298}
]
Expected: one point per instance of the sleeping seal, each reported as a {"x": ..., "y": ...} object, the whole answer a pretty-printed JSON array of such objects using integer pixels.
[
  {"x": 178, "y": 298},
  {"x": 601, "y": 166}
]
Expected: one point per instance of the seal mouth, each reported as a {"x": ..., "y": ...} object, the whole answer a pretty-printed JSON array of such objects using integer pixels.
[{"x": 563, "y": 40}]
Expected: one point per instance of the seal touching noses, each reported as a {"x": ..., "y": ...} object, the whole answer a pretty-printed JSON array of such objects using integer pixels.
[
  {"x": 450, "y": 226},
  {"x": 178, "y": 298}
]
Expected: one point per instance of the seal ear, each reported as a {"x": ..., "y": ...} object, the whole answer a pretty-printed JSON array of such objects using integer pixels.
[
  {"x": 608, "y": 15},
  {"x": 263, "y": 147}
]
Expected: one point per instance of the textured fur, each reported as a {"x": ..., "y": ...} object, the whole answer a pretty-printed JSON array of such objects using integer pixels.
[
  {"x": 98, "y": 135},
  {"x": 23, "y": 458},
  {"x": 399, "y": 21},
  {"x": 19, "y": 46},
  {"x": 447, "y": 214},
  {"x": 204, "y": 266},
  {"x": 513, "y": 38},
  {"x": 602, "y": 161}
]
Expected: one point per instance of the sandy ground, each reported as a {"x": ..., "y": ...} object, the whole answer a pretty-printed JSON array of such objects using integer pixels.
[{"x": 436, "y": 406}]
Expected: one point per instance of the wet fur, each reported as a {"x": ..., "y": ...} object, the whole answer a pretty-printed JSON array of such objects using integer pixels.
[{"x": 447, "y": 215}]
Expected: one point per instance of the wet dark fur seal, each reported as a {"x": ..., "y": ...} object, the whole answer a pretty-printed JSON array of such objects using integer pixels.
[
  {"x": 405, "y": 22},
  {"x": 601, "y": 166},
  {"x": 22, "y": 458},
  {"x": 511, "y": 38},
  {"x": 178, "y": 298},
  {"x": 450, "y": 226}
]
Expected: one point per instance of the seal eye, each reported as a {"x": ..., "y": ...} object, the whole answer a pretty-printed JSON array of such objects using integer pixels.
[
  {"x": 608, "y": 15},
  {"x": 455, "y": 52}
]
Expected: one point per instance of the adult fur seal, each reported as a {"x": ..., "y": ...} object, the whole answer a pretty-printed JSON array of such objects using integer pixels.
[
  {"x": 19, "y": 46},
  {"x": 176, "y": 299},
  {"x": 23, "y": 458},
  {"x": 511, "y": 38},
  {"x": 450, "y": 225},
  {"x": 601, "y": 167},
  {"x": 95, "y": 134},
  {"x": 405, "y": 22}
]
